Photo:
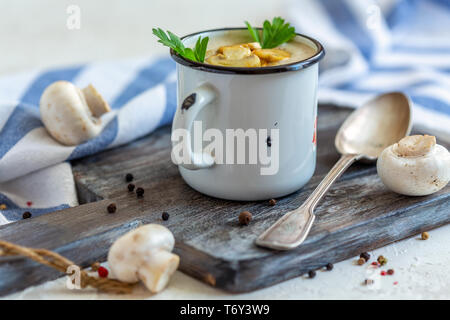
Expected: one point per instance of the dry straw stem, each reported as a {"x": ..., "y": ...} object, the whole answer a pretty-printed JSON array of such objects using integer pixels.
[{"x": 58, "y": 262}]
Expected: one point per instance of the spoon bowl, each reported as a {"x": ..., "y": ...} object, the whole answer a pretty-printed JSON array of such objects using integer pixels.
[
  {"x": 370, "y": 129},
  {"x": 375, "y": 126}
]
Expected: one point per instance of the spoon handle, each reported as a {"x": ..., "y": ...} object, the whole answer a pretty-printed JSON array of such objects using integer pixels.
[{"x": 292, "y": 229}]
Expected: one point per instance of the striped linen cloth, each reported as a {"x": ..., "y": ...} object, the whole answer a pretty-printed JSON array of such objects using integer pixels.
[
  {"x": 385, "y": 45},
  {"x": 372, "y": 47},
  {"x": 35, "y": 173}
]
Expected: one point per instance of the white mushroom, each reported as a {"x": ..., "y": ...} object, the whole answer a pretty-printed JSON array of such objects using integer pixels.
[
  {"x": 415, "y": 166},
  {"x": 144, "y": 254},
  {"x": 71, "y": 115}
]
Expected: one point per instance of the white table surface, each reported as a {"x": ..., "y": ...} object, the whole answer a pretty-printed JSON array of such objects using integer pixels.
[{"x": 33, "y": 34}]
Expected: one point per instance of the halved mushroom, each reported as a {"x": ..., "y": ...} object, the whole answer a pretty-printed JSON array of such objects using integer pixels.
[
  {"x": 144, "y": 254},
  {"x": 272, "y": 55},
  {"x": 415, "y": 166},
  {"x": 71, "y": 115}
]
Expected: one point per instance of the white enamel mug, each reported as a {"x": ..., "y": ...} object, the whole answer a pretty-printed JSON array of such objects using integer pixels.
[{"x": 279, "y": 102}]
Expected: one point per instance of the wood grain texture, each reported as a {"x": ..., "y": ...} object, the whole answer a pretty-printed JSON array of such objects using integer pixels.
[{"x": 357, "y": 214}]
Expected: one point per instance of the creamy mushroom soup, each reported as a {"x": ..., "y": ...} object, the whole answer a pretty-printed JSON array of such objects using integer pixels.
[{"x": 235, "y": 50}]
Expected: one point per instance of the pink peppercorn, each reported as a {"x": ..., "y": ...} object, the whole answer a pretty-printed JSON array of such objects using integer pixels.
[
  {"x": 383, "y": 273},
  {"x": 102, "y": 272}
]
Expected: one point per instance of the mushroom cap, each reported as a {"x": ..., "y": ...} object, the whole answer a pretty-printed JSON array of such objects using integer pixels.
[
  {"x": 67, "y": 114},
  {"x": 416, "y": 166},
  {"x": 137, "y": 248}
]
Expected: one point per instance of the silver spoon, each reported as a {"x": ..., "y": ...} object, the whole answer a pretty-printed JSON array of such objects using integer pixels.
[{"x": 378, "y": 124}]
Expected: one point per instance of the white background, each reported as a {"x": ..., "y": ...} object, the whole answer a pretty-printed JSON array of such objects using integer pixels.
[{"x": 33, "y": 34}]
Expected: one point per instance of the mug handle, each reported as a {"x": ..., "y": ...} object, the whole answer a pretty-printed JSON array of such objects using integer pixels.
[{"x": 184, "y": 118}]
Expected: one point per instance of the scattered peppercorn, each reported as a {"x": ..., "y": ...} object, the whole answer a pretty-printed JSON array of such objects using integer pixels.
[
  {"x": 29, "y": 203},
  {"x": 140, "y": 192},
  {"x": 112, "y": 208},
  {"x": 102, "y": 272},
  {"x": 131, "y": 187},
  {"x": 26, "y": 215},
  {"x": 3, "y": 206},
  {"x": 311, "y": 273},
  {"x": 365, "y": 256},
  {"x": 129, "y": 177},
  {"x": 383, "y": 273},
  {"x": 95, "y": 266},
  {"x": 165, "y": 216},
  {"x": 375, "y": 263},
  {"x": 368, "y": 282},
  {"x": 390, "y": 272},
  {"x": 396, "y": 282},
  {"x": 425, "y": 235},
  {"x": 382, "y": 260},
  {"x": 361, "y": 261},
  {"x": 245, "y": 217},
  {"x": 272, "y": 202},
  {"x": 329, "y": 266}
]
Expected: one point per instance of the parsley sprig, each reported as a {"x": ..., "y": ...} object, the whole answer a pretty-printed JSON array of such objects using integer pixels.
[
  {"x": 172, "y": 41},
  {"x": 273, "y": 34}
]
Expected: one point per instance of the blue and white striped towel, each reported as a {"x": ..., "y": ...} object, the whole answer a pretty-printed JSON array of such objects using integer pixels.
[
  {"x": 35, "y": 174},
  {"x": 372, "y": 46},
  {"x": 385, "y": 45}
]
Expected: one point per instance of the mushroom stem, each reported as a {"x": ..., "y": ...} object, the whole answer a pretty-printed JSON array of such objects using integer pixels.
[
  {"x": 155, "y": 273},
  {"x": 415, "y": 146},
  {"x": 95, "y": 101}
]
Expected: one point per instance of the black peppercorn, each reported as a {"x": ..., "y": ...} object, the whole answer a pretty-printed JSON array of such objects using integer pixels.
[
  {"x": 140, "y": 192},
  {"x": 129, "y": 177},
  {"x": 26, "y": 215},
  {"x": 245, "y": 217},
  {"x": 165, "y": 216},
  {"x": 365, "y": 256},
  {"x": 112, "y": 208},
  {"x": 311, "y": 273},
  {"x": 272, "y": 202},
  {"x": 131, "y": 187},
  {"x": 329, "y": 266}
]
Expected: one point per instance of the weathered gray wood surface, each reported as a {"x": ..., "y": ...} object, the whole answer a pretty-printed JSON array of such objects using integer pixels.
[{"x": 358, "y": 214}]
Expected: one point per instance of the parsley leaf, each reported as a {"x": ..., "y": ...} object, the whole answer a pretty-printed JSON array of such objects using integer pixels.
[
  {"x": 175, "y": 43},
  {"x": 200, "y": 48},
  {"x": 253, "y": 32},
  {"x": 273, "y": 34}
]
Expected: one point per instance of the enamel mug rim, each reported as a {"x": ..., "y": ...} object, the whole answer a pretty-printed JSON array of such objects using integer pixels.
[{"x": 294, "y": 66}]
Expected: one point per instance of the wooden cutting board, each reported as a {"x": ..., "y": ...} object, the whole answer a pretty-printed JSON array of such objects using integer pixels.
[{"x": 358, "y": 214}]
